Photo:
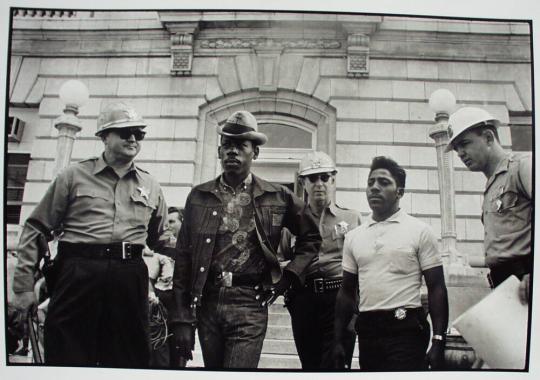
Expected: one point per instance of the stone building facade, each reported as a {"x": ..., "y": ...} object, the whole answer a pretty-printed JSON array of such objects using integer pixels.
[{"x": 354, "y": 86}]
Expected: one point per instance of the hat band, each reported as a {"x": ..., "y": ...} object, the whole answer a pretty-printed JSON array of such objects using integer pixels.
[{"x": 236, "y": 129}]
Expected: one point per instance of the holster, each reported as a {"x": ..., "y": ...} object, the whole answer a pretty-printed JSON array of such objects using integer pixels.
[{"x": 50, "y": 266}]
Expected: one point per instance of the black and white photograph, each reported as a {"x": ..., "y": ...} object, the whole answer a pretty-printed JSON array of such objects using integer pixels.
[{"x": 249, "y": 189}]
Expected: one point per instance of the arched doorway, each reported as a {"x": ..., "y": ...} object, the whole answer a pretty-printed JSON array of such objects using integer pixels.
[{"x": 294, "y": 123}]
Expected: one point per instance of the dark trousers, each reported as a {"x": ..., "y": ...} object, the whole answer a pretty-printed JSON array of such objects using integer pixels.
[
  {"x": 98, "y": 313},
  {"x": 166, "y": 355},
  {"x": 312, "y": 318},
  {"x": 390, "y": 344},
  {"x": 232, "y": 325}
]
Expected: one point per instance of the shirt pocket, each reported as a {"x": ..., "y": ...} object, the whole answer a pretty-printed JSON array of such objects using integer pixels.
[
  {"x": 92, "y": 199},
  {"x": 142, "y": 208},
  {"x": 402, "y": 260},
  {"x": 337, "y": 239}
]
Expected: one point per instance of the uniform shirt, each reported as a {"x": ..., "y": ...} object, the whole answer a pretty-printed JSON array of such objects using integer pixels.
[
  {"x": 507, "y": 210},
  {"x": 237, "y": 247},
  {"x": 334, "y": 223},
  {"x": 90, "y": 204},
  {"x": 389, "y": 257}
]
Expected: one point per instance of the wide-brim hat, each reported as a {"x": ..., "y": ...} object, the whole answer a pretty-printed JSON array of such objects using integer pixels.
[{"x": 242, "y": 125}]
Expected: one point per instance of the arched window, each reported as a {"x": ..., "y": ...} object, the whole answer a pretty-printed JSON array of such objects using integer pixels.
[{"x": 285, "y": 136}]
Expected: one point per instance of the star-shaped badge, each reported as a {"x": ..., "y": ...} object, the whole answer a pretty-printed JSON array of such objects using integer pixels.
[{"x": 144, "y": 192}]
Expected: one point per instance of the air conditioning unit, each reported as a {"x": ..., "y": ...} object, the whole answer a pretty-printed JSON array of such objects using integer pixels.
[{"x": 15, "y": 129}]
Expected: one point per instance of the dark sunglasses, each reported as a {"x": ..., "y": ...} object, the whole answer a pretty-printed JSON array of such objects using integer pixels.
[
  {"x": 314, "y": 177},
  {"x": 126, "y": 133}
]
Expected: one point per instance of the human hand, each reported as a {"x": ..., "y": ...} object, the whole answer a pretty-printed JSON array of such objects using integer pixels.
[
  {"x": 184, "y": 339},
  {"x": 338, "y": 356},
  {"x": 524, "y": 289},
  {"x": 435, "y": 355},
  {"x": 276, "y": 290}
]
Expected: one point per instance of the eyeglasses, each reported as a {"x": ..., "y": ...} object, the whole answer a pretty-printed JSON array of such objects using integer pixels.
[
  {"x": 314, "y": 177},
  {"x": 126, "y": 133}
]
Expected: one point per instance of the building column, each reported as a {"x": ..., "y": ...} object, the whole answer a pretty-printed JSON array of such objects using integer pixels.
[{"x": 73, "y": 94}]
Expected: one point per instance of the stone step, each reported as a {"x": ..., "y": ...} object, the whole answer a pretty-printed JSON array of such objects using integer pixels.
[
  {"x": 279, "y": 332},
  {"x": 275, "y": 319}
]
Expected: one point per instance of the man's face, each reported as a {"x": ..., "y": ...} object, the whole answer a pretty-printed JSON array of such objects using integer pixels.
[
  {"x": 173, "y": 219},
  {"x": 237, "y": 155},
  {"x": 320, "y": 187},
  {"x": 472, "y": 149},
  {"x": 382, "y": 191},
  {"x": 124, "y": 143}
]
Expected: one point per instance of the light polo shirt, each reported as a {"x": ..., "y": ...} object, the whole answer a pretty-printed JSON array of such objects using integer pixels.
[{"x": 389, "y": 257}]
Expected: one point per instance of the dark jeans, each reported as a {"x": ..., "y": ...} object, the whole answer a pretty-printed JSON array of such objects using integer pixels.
[
  {"x": 98, "y": 313},
  {"x": 312, "y": 317},
  {"x": 232, "y": 326},
  {"x": 389, "y": 344}
]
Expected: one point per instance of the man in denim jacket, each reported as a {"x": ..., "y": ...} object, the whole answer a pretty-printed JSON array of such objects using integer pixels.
[{"x": 226, "y": 270}]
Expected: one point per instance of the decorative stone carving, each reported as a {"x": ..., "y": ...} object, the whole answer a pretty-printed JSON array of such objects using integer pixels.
[
  {"x": 182, "y": 37},
  {"x": 42, "y": 13},
  {"x": 181, "y": 53},
  {"x": 358, "y": 55},
  {"x": 246, "y": 43}
]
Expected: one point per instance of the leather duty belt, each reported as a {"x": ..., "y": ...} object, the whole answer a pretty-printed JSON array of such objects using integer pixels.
[
  {"x": 121, "y": 250},
  {"x": 322, "y": 285}
]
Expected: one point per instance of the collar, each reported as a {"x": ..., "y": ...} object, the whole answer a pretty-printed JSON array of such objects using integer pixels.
[
  {"x": 260, "y": 186},
  {"x": 397, "y": 217},
  {"x": 101, "y": 165},
  {"x": 332, "y": 209},
  {"x": 243, "y": 185}
]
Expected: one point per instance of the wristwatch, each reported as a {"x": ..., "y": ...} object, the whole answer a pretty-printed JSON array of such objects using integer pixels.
[{"x": 438, "y": 337}]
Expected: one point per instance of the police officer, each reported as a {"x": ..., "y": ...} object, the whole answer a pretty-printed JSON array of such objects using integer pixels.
[
  {"x": 507, "y": 205},
  {"x": 106, "y": 209},
  {"x": 311, "y": 306}
]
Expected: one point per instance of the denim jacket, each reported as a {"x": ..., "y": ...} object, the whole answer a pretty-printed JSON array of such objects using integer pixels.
[{"x": 276, "y": 208}]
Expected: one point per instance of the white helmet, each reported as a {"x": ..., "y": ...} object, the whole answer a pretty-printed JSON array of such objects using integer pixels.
[
  {"x": 316, "y": 162},
  {"x": 466, "y": 118},
  {"x": 118, "y": 115}
]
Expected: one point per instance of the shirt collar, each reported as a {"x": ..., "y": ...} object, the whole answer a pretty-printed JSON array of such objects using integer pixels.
[
  {"x": 243, "y": 186},
  {"x": 394, "y": 218},
  {"x": 102, "y": 165}
]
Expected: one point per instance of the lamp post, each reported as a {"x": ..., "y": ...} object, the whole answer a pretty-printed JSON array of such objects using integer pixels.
[
  {"x": 443, "y": 102},
  {"x": 73, "y": 94}
]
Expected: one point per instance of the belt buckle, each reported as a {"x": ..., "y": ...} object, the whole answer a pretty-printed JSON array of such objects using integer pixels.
[
  {"x": 226, "y": 279},
  {"x": 126, "y": 250},
  {"x": 400, "y": 313},
  {"x": 318, "y": 285}
]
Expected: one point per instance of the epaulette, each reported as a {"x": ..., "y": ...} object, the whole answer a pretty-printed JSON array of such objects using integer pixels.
[
  {"x": 89, "y": 159},
  {"x": 141, "y": 169}
]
